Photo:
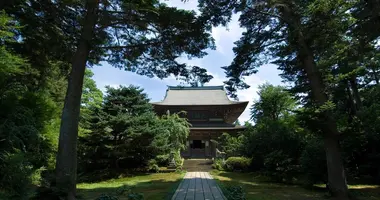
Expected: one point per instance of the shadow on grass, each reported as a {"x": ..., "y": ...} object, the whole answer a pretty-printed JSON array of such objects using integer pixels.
[
  {"x": 153, "y": 190},
  {"x": 261, "y": 188},
  {"x": 106, "y": 175}
]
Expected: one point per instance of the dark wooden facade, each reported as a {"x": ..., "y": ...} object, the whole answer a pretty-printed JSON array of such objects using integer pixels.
[{"x": 208, "y": 122}]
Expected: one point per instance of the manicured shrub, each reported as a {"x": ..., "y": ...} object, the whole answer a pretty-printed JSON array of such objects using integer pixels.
[
  {"x": 153, "y": 166},
  {"x": 219, "y": 164},
  {"x": 280, "y": 167},
  {"x": 237, "y": 164},
  {"x": 178, "y": 160},
  {"x": 163, "y": 160}
]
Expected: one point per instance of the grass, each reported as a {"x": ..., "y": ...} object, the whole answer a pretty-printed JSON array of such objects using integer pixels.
[
  {"x": 159, "y": 186},
  {"x": 257, "y": 188}
]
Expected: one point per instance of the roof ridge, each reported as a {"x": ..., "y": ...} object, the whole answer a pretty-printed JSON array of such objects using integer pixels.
[{"x": 219, "y": 87}]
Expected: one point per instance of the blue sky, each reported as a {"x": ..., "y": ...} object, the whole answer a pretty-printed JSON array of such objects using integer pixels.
[{"x": 222, "y": 56}]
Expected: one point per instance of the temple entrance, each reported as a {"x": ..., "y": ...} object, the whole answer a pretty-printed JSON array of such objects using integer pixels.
[
  {"x": 197, "y": 148},
  {"x": 197, "y": 144}
]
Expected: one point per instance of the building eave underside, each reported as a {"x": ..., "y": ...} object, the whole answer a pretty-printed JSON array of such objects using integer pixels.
[
  {"x": 227, "y": 104},
  {"x": 160, "y": 104}
]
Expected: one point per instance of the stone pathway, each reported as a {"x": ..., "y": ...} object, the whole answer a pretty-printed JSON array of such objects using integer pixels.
[{"x": 198, "y": 186}]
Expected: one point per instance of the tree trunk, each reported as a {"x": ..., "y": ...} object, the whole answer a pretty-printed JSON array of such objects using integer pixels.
[
  {"x": 375, "y": 76},
  {"x": 336, "y": 176},
  {"x": 351, "y": 104},
  {"x": 355, "y": 90},
  {"x": 66, "y": 165}
]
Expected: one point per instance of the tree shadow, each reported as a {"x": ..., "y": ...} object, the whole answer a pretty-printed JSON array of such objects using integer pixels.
[
  {"x": 259, "y": 187},
  {"x": 153, "y": 190}
]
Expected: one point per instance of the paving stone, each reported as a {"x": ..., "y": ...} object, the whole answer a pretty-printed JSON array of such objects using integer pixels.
[{"x": 198, "y": 186}]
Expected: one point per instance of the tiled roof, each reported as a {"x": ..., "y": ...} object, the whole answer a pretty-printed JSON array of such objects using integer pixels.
[{"x": 207, "y": 95}]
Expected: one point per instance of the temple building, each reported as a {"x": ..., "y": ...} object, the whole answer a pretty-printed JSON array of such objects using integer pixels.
[{"x": 210, "y": 112}]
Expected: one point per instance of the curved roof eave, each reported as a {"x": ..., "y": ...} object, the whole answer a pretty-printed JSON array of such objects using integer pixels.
[{"x": 223, "y": 104}]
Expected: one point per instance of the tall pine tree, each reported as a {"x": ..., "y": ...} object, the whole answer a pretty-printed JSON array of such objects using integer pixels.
[{"x": 145, "y": 37}]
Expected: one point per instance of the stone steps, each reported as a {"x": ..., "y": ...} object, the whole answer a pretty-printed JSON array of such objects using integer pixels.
[{"x": 197, "y": 165}]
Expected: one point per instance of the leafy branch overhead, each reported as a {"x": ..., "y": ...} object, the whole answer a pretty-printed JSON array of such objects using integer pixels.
[{"x": 148, "y": 38}]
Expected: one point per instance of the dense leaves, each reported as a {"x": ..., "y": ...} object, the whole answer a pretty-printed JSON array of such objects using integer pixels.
[
  {"x": 325, "y": 49},
  {"x": 290, "y": 148},
  {"x": 125, "y": 134},
  {"x": 28, "y": 118},
  {"x": 145, "y": 37}
]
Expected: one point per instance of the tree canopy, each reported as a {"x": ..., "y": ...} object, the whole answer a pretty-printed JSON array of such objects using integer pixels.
[
  {"x": 322, "y": 49},
  {"x": 145, "y": 37}
]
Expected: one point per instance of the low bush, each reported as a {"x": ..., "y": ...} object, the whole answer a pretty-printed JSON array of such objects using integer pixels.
[
  {"x": 281, "y": 167},
  {"x": 219, "y": 164},
  {"x": 153, "y": 166},
  {"x": 178, "y": 160},
  {"x": 234, "y": 192},
  {"x": 313, "y": 163},
  {"x": 237, "y": 164},
  {"x": 163, "y": 160},
  {"x": 18, "y": 176},
  {"x": 122, "y": 192}
]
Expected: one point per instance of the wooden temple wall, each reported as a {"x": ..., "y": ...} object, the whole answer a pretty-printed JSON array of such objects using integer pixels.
[{"x": 207, "y": 137}]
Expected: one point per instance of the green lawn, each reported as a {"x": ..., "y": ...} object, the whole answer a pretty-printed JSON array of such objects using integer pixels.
[
  {"x": 256, "y": 189},
  {"x": 159, "y": 186}
]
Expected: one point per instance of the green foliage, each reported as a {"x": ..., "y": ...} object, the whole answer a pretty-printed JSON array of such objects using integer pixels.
[
  {"x": 18, "y": 175},
  {"x": 234, "y": 192},
  {"x": 219, "y": 164},
  {"x": 274, "y": 102},
  {"x": 153, "y": 166},
  {"x": 74, "y": 34},
  {"x": 122, "y": 191},
  {"x": 230, "y": 145},
  {"x": 178, "y": 160},
  {"x": 327, "y": 52},
  {"x": 135, "y": 196},
  {"x": 121, "y": 133},
  {"x": 125, "y": 134},
  {"x": 313, "y": 162},
  {"x": 280, "y": 166},
  {"x": 237, "y": 164},
  {"x": 28, "y": 118}
]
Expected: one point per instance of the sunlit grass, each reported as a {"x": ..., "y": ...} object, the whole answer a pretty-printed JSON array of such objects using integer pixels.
[
  {"x": 258, "y": 188},
  {"x": 159, "y": 186}
]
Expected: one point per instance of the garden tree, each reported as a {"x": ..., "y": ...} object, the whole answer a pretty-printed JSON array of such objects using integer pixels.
[
  {"x": 367, "y": 14},
  {"x": 121, "y": 131},
  {"x": 295, "y": 34},
  {"x": 175, "y": 131},
  {"x": 276, "y": 128},
  {"x": 274, "y": 102},
  {"x": 91, "y": 96},
  {"x": 230, "y": 145},
  {"x": 92, "y": 99},
  {"x": 197, "y": 77},
  {"x": 145, "y": 37},
  {"x": 28, "y": 117},
  {"x": 126, "y": 133}
]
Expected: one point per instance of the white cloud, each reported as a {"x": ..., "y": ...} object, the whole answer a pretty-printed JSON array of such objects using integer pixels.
[
  {"x": 188, "y": 5},
  {"x": 226, "y": 36},
  {"x": 250, "y": 95}
]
